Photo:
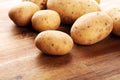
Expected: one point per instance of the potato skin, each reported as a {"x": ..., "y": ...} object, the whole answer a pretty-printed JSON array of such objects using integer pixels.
[
  {"x": 46, "y": 20},
  {"x": 40, "y": 3},
  {"x": 22, "y": 13},
  {"x": 91, "y": 28},
  {"x": 114, "y": 13},
  {"x": 98, "y": 1},
  {"x": 70, "y": 10},
  {"x": 54, "y": 42}
]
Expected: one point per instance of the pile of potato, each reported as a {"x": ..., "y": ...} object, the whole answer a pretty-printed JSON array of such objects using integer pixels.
[{"x": 89, "y": 24}]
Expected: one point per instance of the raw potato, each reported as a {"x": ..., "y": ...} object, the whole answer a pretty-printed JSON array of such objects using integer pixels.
[
  {"x": 40, "y": 3},
  {"x": 22, "y": 13},
  {"x": 70, "y": 10},
  {"x": 54, "y": 42},
  {"x": 91, "y": 28},
  {"x": 114, "y": 13},
  {"x": 98, "y": 1},
  {"x": 46, "y": 20}
]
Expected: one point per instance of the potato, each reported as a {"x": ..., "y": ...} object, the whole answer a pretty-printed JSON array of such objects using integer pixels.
[
  {"x": 70, "y": 10},
  {"x": 98, "y": 1},
  {"x": 46, "y": 20},
  {"x": 114, "y": 13},
  {"x": 91, "y": 28},
  {"x": 54, "y": 42},
  {"x": 40, "y": 3},
  {"x": 22, "y": 13}
]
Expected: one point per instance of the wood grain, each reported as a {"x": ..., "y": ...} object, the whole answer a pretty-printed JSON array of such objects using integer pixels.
[{"x": 21, "y": 60}]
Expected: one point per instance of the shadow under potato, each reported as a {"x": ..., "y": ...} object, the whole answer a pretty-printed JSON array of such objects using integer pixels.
[
  {"x": 24, "y": 31},
  {"x": 106, "y": 46},
  {"x": 52, "y": 61}
]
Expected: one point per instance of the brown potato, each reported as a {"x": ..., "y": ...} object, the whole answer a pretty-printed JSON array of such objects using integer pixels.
[
  {"x": 40, "y": 3},
  {"x": 70, "y": 10},
  {"x": 46, "y": 20},
  {"x": 91, "y": 28},
  {"x": 54, "y": 42},
  {"x": 22, "y": 13},
  {"x": 114, "y": 13},
  {"x": 98, "y": 1}
]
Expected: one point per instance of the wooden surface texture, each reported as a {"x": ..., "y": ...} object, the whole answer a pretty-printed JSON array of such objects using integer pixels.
[{"x": 21, "y": 60}]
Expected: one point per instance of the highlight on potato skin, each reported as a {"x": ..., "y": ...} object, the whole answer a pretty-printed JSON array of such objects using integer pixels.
[{"x": 54, "y": 42}]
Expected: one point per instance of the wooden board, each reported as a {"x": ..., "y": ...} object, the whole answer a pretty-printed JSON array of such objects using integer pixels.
[{"x": 21, "y": 60}]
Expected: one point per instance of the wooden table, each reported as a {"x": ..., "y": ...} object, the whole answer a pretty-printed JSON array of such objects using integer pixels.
[{"x": 21, "y": 60}]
